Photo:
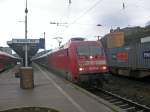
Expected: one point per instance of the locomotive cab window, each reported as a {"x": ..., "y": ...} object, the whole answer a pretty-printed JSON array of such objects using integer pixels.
[
  {"x": 88, "y": 50},
  {"x": 94, "y": 50},
  {"x": 83, "y": 50}
]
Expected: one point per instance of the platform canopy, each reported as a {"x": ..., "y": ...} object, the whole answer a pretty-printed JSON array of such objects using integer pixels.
[{"x": 18, "y": 45}]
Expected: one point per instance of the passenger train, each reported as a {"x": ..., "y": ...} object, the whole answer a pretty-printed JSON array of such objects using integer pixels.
[
  {"x": 7, "y": 60},
  {"x": 78, "y": 60}
]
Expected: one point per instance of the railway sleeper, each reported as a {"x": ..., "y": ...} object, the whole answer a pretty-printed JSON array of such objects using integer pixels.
[
  {"x": 130, "y": 109},
  {"x": 113, "y": 100},
  {"x": 124, "y": 106},
  {"x": 108, "y": 97},
  {"x": 119, "y": 103},
  {"x": 140, "y": 111}
]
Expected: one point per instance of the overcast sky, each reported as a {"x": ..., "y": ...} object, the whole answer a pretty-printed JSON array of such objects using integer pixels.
[{"x": 82, "y": 17}]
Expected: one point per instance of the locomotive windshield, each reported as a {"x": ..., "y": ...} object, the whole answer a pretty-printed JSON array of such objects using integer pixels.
[{"x": 88, "y": 50}]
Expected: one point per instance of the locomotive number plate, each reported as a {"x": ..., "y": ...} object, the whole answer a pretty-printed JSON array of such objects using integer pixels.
[{"x": 93, "y": 68}]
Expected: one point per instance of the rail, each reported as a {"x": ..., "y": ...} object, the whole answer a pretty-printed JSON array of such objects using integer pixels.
[{"x": 125, "y": 104}]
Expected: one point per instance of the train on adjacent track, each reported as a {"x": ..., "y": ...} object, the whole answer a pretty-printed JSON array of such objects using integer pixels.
[
  {"x": 128, "y": 52},
  {"x": 7, "y": 60},
  {"x": 131, "y": 60},
  {"x": 78, "y": 60}
]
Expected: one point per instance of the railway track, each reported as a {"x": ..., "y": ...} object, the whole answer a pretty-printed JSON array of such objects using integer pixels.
[{"x": 125, "y": 104}]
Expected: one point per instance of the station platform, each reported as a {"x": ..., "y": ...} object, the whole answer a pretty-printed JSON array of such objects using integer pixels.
[{"x": 50, "y": 91}]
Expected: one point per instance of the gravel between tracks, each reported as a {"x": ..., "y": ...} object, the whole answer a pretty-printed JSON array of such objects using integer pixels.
[{"x": 135, "y": 90}]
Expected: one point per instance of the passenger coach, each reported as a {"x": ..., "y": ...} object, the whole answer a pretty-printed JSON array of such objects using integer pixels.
[{"x": 7, "y": 60}]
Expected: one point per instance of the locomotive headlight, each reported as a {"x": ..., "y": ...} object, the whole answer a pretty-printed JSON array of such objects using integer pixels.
[
  {"x": 81, "y": 69},
  {"x": 91, "y": 57},
  {"x": 104, "y": 67}
]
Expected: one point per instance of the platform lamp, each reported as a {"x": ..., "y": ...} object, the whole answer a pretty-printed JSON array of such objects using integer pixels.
[
  {"x": 98, "y": 36},
  {"x": 59, "y": 39}
]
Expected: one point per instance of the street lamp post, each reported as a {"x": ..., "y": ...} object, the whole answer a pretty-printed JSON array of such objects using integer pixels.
[
  {"x": 70, "y": 2},
  {"x": 98, "y": 37},
  {"x": 26, "y": 45},
  {"x": 59, "y": 39}
]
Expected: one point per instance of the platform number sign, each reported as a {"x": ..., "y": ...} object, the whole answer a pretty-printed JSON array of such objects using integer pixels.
[{"x": 146, "y": 54}]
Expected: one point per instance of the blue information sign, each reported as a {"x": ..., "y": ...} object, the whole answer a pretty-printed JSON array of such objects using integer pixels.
[{"x": 146, "y": 54}]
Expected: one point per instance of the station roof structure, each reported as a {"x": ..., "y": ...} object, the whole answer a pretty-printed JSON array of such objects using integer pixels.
[{"x": 18, "y": 45}]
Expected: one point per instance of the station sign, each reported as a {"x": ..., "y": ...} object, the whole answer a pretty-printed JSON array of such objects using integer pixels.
[
  {"x": 24, "y": 41},
  {"x": 146, "y": 54},
  {"x": 42, "y": 43}
]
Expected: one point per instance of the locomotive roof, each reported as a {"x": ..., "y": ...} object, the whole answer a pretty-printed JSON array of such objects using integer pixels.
[
  {"x": 74, "y": 43},
  {"x": 85, "y": 43},
  {"x": 41, "y": 55}
]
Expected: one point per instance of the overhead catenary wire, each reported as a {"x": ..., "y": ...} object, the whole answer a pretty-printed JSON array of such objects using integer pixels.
[
  {"x": 86, "y": 11},
  {"x": 94, "y": 6}
]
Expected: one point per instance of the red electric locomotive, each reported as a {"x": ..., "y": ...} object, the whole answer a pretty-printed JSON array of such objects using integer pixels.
[{"x": 79, "y": 60}]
